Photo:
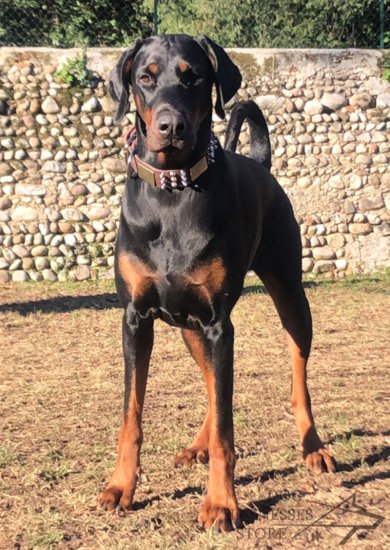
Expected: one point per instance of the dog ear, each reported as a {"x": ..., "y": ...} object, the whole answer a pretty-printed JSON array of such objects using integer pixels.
[
  {"x": 226, "y": 74},
  {"x": 119, "y": 80}
]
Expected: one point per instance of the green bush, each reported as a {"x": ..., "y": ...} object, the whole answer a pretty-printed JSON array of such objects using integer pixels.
[
  {"x": 247, "y": 23},
  {"x": 74, "y": 71},
  {"x": 277, "y": 23},
  {"x": 70, "y": 23},
  {"x": 386, "y": 67}
]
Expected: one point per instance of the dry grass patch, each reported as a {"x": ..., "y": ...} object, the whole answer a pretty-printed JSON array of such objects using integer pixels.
[{"x": 61, "y": 397}]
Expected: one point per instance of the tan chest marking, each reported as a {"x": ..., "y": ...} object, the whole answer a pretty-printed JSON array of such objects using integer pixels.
[
  {"x": 208, "y": 277},
  {"x": 137, "y": 276}
]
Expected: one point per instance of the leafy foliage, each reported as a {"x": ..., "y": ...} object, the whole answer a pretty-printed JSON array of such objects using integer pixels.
[
  {"x": 386, "y": 68},
  {"x": 69, "y": 23},
  {"x": 74, "y": 71},
  {"x": 276, "y": 23},
  {"x": 245, "y": 23}
]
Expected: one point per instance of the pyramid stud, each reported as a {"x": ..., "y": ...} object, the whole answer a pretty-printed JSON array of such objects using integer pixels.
[
  {"x": 184, "y": 178},
  {"x": 173, "y": 179},
  {"x": 163, "y": 181}
]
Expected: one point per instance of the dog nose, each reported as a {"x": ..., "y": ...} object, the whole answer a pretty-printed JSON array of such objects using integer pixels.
[{"x": 171, "y": 124}]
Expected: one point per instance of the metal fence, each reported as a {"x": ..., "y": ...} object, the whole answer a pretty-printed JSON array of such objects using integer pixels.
[{"x": 250, "y": 23}]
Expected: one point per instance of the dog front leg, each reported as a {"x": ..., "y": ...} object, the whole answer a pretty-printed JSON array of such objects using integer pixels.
[
  {"x": 220, "y": 509},
  {"x": 137, "y": 348},
  {"x": 198, "y": 451}
]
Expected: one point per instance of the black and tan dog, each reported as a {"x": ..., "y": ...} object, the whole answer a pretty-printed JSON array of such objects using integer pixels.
[{"x": 195, "y": 218}]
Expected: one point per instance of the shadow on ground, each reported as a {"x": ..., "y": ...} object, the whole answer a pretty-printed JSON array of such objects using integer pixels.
[
  {"x": 254, "y": 509},
  {"x": 108, "y": 300},
  {"x": 63, "y": 304}
]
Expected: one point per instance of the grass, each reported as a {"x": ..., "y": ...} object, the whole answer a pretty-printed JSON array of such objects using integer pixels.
[
  {"x": 60, "y": 402},
  {"x": 6, "y": 456},
  {"x": 48, "y": 540}
]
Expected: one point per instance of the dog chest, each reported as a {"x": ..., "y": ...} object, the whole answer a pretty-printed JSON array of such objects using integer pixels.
[{"x": 182, "y": 298}]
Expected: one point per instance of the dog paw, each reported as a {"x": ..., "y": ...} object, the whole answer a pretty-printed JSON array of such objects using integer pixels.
[
  {"x": 320, "y": 461},
  {"x": 188, "y": 457},
  {"x": 220, "y": 518},
  {"x": 115, "y": 497}
]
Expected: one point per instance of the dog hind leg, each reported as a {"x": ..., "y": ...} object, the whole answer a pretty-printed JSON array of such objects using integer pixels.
[
  {"x": 278, "y": 264},
  {"x": 295, "y": 316}
]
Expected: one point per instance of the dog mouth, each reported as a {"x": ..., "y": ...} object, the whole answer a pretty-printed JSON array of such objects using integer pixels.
[
  {"x": 171, "y": 146},
  {"x": 172, "y": 155}
]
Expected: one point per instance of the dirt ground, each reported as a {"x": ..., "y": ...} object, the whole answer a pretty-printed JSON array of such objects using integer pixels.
[{"x": 60, "y": 403}]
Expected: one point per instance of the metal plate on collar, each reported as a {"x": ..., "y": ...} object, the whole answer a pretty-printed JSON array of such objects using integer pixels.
[
  {"x": 145, "y": 173},
  {"x": 198, "y": 168}
]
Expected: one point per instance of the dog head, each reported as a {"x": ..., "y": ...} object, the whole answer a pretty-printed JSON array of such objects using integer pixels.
[{"x": 171, "y": 78}]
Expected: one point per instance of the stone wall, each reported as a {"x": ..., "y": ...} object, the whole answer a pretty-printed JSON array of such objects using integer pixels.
[{"x": 62, "y": 169}]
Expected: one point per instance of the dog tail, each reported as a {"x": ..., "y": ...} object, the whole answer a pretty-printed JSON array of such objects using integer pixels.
[{"x": 260, "y": 146}]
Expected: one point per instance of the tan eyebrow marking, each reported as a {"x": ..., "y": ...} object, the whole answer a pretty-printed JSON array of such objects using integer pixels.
[
  {"x": 183, "y": 66},
  {"x": 153, "y": 68}
]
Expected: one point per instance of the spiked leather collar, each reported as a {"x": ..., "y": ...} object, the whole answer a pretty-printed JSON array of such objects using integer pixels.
[{"x": 169, "y": 179}]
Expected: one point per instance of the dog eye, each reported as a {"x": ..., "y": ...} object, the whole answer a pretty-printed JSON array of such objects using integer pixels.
[
  {"x": 146, "y": 79},
  {"x": 191, "y": 79}
]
